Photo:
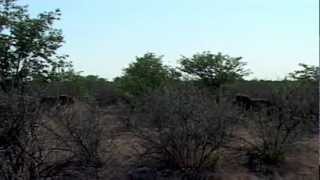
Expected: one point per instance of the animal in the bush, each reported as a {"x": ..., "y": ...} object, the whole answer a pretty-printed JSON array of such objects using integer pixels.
[
  {"x": 48, "y": 100},
  {"x": 261, "y": 102},
  {"x": 66, "y": 100},
  {"x": 249, "y": 103},
  {"x": 57, "y": 100},
  {"x": 143, "y": 173},
  {"x": 243, "y": 101}
]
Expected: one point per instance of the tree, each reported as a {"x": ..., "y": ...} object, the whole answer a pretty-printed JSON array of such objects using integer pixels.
[
  {"x": 28, "y": 46},
  {"x": 308, "y": 73},
  {"x": 146, "y": 73},
  {"x": 214, "y": 69}
]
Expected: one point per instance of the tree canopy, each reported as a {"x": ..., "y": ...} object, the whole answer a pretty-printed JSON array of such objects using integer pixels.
[
  {"x": 214, "y": 69},
  {"x": 28, "y": 45},
  {"x": 307, "y": 73},
  {"x": 146, "y": 73}
]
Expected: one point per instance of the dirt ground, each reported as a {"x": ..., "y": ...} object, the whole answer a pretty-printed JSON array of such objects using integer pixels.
[{"x": 300, "y": 164}]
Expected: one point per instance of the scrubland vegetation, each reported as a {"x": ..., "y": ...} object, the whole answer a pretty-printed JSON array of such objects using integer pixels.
[{"x": 199, "y": 120}]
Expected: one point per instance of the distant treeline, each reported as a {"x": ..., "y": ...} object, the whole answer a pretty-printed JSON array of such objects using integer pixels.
[{"x": 28, "y": 48}]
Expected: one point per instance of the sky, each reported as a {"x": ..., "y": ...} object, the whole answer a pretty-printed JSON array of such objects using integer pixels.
[{"x": 104, "y": 36}]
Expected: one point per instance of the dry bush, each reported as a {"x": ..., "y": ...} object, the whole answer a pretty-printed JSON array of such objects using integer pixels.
[
  {"x": 183, "y": 128},
  {"x": 274, "y": 130},
  {"x": 83, "y": 145},
  {"x": 20, "y": 150},
  {"x": 67, "y": 143},
  {"x": 108, "y": 95}
]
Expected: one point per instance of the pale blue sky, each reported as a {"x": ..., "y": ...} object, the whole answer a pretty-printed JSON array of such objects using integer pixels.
[{"x": 104, "y": 36}]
